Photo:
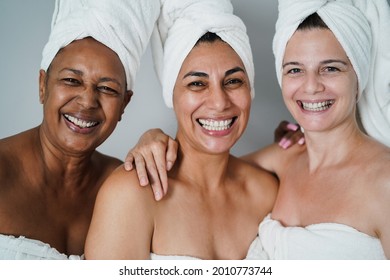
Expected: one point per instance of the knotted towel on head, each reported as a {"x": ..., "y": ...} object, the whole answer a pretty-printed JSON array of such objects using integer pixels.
[
  {"x": 123, "y": 26},
  {"x": 374, "y": 106},
  {"x": 347, "y": 23},
  {"x": 182, "y": 23}
]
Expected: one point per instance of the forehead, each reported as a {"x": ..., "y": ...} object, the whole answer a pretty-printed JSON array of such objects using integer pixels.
[
  {"x": 212, "y": 53},
  {"x": 314, "y": 43},
  {"x": 88, "y": 52}
]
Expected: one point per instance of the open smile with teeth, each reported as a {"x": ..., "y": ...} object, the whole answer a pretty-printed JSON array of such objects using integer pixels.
[
  {"x": 316, "y": 106},
  {"x": 80, "y": 123},
  {"x": 216, "y": 125}
]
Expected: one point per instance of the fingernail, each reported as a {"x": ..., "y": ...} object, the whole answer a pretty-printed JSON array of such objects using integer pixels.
[
  {"x": 169, "y": 165},
  {"x": 292, "y": 126},
  {"x": 287, "y": 144},
  {"x": 157, "y": 195},
  {"x": 143, "y": 181},
  {"x": 127, "y": 166},
  {"x": 301, "y": 141},
  {"x": 281, "y": 142}
]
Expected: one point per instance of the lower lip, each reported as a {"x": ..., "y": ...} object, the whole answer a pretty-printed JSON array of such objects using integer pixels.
[
  {"x": 78, "y": 129},
  {"x": 217, "y": 133}
]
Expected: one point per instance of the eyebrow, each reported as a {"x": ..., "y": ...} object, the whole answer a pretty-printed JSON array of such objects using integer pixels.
[
  {"x": 322, "y": 62},
  {"x": 77, "y": 72},
  {"x": 202, "y": 74},
  {"x": 234, "y": 70},
  {"x": 81, "y": 73}
]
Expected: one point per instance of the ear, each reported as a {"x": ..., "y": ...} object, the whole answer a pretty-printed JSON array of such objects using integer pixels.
[
  {"x": 42, "y": 86},
  {"x": 126, "y": 100}
]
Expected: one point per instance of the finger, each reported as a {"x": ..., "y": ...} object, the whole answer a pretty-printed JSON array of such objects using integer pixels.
[
  {"x": 292, "y": 126},
  {"x": 129, "y": 161},
  {"x": 162, "y": 185},
  {"x": 171, "y": 153},
  {"x": 291, "y": 138},
  {"x": 280, "y": 131},
  {"x": 159, "y": 169},
  {"x": 140, "y": 167},
  {"x": 155, "y": 182}
]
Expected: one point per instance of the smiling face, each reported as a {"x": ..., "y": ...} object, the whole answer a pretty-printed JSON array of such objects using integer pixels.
[
  {"x": 319, "y": 84},
  {"x": 211, "y": 98},
  {"x": 83, "y": 96}
]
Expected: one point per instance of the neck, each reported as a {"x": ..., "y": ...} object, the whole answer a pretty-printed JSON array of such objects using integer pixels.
[
  {"x": 329, "y": 148},
  {"x": 200, "y": 168},
  {"x": 64, "y": 169}
]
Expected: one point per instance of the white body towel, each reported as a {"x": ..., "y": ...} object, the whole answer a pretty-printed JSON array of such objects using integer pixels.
[
  {"x": 22, "y": 248},
  {"x": 324, "y": 241},
  {"x": 374, "y": 106}
]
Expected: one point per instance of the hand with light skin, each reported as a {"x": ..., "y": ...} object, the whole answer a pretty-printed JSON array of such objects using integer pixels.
[{"x": 155, "y": 154}]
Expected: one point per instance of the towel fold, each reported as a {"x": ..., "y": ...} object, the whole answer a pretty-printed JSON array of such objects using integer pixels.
[
  {"x": 374, "y": 106},
  {"x": 123, "y": 26},
  {"x": 180, "y": 26},
  {"x": 348, "y": 24}
]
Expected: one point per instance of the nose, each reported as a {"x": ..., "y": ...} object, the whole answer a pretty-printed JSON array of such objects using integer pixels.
[
  {"x": 218, "y": 98},
  {"x": 313, "y": 83},
  {"x": 88, "y": 98}
]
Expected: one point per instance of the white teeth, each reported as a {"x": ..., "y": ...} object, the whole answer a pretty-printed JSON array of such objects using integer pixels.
[
  {"x": 78, "y": 122},
  {"x": 317, "y": 106},
  {"x": 216, "y": 125}
]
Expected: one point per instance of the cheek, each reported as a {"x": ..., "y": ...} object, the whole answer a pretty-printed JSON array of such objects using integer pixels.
[{"x": 112, "y": 109}]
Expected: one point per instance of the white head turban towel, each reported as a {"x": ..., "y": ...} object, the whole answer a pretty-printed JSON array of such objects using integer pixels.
[
  {"x": 347, "y": 23},
  {"x": 122, "y": 25},
  {"x": 374, "y": 106},
  {"x": 182, "y": 23}
]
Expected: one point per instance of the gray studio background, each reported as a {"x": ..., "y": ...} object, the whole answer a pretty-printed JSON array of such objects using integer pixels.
[{"x": 24, "y": 30}]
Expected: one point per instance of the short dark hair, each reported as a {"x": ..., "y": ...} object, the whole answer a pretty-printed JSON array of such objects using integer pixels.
[
  {"x": 208, "y": 37},
  {"x": 311, "y": 22}
]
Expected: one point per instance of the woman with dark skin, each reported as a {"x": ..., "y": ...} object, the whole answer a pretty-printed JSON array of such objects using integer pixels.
[{"x": 50, "y": 174}]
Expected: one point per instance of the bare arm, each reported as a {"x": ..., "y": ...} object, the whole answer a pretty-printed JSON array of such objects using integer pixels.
[{"x": 122, "y": 222}]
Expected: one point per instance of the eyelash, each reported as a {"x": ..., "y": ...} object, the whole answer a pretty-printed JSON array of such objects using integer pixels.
[
  {"x": 325, "y": 69},
  {"x": 103, "y": 89},
  {"x": 71, "y": 81}
]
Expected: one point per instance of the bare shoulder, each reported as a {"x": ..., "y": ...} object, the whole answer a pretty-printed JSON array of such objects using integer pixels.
[
  {"x": 377, "y": 193},
  {"x": 376, "y": 162},
  {"x": 260, "y": 182},
  {"x": 124, "y": 186},
  {"x": 272, "y": 157},
  {"x": 15, "y": 151}
]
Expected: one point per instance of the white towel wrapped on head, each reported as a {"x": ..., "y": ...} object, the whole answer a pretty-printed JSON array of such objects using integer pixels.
[
  {"x": 182, "y": 23},
  {"x": 348, "y": 24},
  {"x": 374, "y": 106},
  {"x": 123, "y": 26}
]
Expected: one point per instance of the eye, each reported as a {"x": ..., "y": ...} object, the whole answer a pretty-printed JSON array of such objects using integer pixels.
[
  {"x": 234, "y": 83},
  {"x": 294, "y": 71},
  {"x": 107, "y": 90},
  {"x": 196, "y": 85},
  {"x": 331, "y": 69},
  {"x": 71, "y": 81}
]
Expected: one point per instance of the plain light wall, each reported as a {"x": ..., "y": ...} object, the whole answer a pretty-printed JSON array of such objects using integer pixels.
[{"x": 25, "y": 28}]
